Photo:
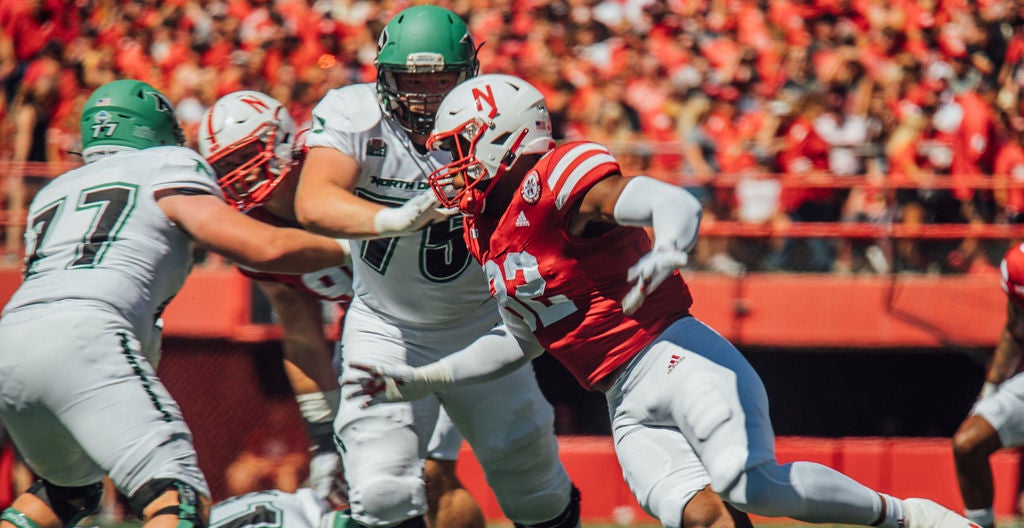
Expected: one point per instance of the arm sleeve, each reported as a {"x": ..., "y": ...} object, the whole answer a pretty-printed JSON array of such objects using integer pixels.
[
  {"x": 672, "y": 212},
  {"x": 487, "y": 358}
]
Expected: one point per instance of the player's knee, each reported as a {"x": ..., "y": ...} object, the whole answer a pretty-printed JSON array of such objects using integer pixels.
[
  {"x": 725, "y": 468},
  {"x": 975, "y": 439},
  {"x": 530, "y": 489},
  {"x": 390, "y": 500},
  {"x": 171, "y": 497},
  {"x": 70, "y": 504},
  {"x": 704, "y": 510}
]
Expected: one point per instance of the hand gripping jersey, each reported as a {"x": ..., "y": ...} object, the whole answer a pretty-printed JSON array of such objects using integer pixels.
[
  {"x": 404, "y": 278},
  {"x": 569, "y": 289},
  {"x": 96, "y": 234},
  {"x": 271, "y": 509},
  {"x": 1011, "y": 271},
  {"x": 329, "y": 284}
]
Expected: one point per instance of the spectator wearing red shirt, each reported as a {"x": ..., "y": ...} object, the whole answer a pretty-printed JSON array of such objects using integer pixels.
[
  {"x": 803, "y": 158},
  {"x": 1009, "y": 172}
]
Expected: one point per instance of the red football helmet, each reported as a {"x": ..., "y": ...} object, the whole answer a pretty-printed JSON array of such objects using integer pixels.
[{"x": 250, "y": 140}]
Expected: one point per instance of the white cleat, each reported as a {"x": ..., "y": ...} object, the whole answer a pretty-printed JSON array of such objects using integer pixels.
[{"x": 924, "y": 513}]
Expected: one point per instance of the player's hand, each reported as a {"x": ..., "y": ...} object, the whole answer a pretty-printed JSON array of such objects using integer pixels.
[
  {"x": 648, "y": 273},
  {"x": 411, "y": 216},
  {"x": 386, "y": 384},
  {"x": 325, "y": 476}
]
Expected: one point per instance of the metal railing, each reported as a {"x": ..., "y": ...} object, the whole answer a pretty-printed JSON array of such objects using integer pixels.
[{"x": 730, "y": 235}]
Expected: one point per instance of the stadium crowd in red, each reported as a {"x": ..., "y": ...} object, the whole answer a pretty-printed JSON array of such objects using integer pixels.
[{"x": 692, "y": 91}]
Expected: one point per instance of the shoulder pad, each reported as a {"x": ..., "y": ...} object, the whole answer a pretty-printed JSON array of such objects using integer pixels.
[{"x": 351, "y": 108}]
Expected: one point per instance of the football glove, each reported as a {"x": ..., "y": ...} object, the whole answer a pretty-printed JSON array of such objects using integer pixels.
[
  {"x": 325, "y": 477},
  {"x": 410, "y": 217},
  {"x": 396, "y": 383},
  {"x": 648, "y": 273}
]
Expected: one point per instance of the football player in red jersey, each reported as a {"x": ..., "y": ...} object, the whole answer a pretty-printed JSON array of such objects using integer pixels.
[
  {"x": 560, "y": 232},
  {"x": 997, "y": 419},
  {"x": 253, "y": 145}
]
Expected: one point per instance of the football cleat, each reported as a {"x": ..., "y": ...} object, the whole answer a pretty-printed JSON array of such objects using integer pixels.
[{"x": 924, "y": 513}]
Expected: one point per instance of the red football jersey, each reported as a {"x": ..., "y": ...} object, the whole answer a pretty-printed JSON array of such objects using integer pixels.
[
  {"x": 329, "y": 284},
  {"x": 569, "y": 289},
  {"x": 1011, "y": 272}
]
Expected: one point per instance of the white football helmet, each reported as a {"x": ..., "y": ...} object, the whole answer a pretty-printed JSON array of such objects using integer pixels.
[
  {"x": 487, "y": 123},
  {"x": 249, "y": 138}
]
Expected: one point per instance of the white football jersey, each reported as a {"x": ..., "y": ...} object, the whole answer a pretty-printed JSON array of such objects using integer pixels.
[
  {"x": 96, "y": 234},
  {"x": 271, "y": 509},
  {"x": 407, "y": 278}
]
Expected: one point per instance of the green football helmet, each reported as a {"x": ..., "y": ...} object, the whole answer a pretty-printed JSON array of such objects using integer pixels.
[
  {"x": 421, "y": 39},
  {"x": 130, "y": 114}
]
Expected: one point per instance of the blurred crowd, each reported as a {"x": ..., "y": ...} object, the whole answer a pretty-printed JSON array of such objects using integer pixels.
[{"x": 735, "y": 99}]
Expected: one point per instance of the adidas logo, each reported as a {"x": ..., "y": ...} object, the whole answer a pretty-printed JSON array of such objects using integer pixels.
[
  {"x": 675, "y": 360},
  {"x": 521, "y": 220}
]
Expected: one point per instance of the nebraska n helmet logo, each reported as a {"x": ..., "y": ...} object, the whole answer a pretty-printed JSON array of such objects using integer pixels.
[
  {"x": 487, "y": 98},
  {"x": 256, "y": 103}
]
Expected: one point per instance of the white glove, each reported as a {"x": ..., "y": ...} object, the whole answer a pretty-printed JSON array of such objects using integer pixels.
[
  {"x": 394, "y": 383},
  {"x": 325, "y": 477},
  {"x": 648, "y": 273},
  {"x": 412, "y": 216}
]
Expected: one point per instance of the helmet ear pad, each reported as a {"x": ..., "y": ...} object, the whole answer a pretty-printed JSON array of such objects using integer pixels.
[{"x": 127, "y": 113}]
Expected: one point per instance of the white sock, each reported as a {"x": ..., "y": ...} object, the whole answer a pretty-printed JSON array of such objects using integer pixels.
[
  {"x": 893, "y": 512},
  {"x": 985, "y": 517}
]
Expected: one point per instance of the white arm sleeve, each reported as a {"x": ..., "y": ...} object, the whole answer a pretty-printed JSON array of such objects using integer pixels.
[
  {"x": 487, "y": 358},
  {"x": 672, "y": 212}
]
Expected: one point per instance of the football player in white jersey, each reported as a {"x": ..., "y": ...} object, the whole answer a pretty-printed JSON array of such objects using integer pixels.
[
  {"x": 560, "y": 232},
  {"x": 252, "y": 144},
  {"x": 997, "y": 419},
  {"x": 108, "y": 245},
  {"x": 417, "y": 294}
]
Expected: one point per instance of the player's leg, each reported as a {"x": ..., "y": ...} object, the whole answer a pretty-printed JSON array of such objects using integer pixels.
[
  {"x": 170, "y": 503},
  {"x": 666, "y": 477},
  {"x": 133, "y": 428},
  {"x": 309, "y": 368},
  {"x": 103, "y": 412},
  {"x": 510, "y": 425},
  {"x": 449, "y": 504},
  {"x": 382, "y": 446},
  {"x": 51, "y": 451},
  {"x": 719, "y": 403},
  {"x": 995, "y": 422}
]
